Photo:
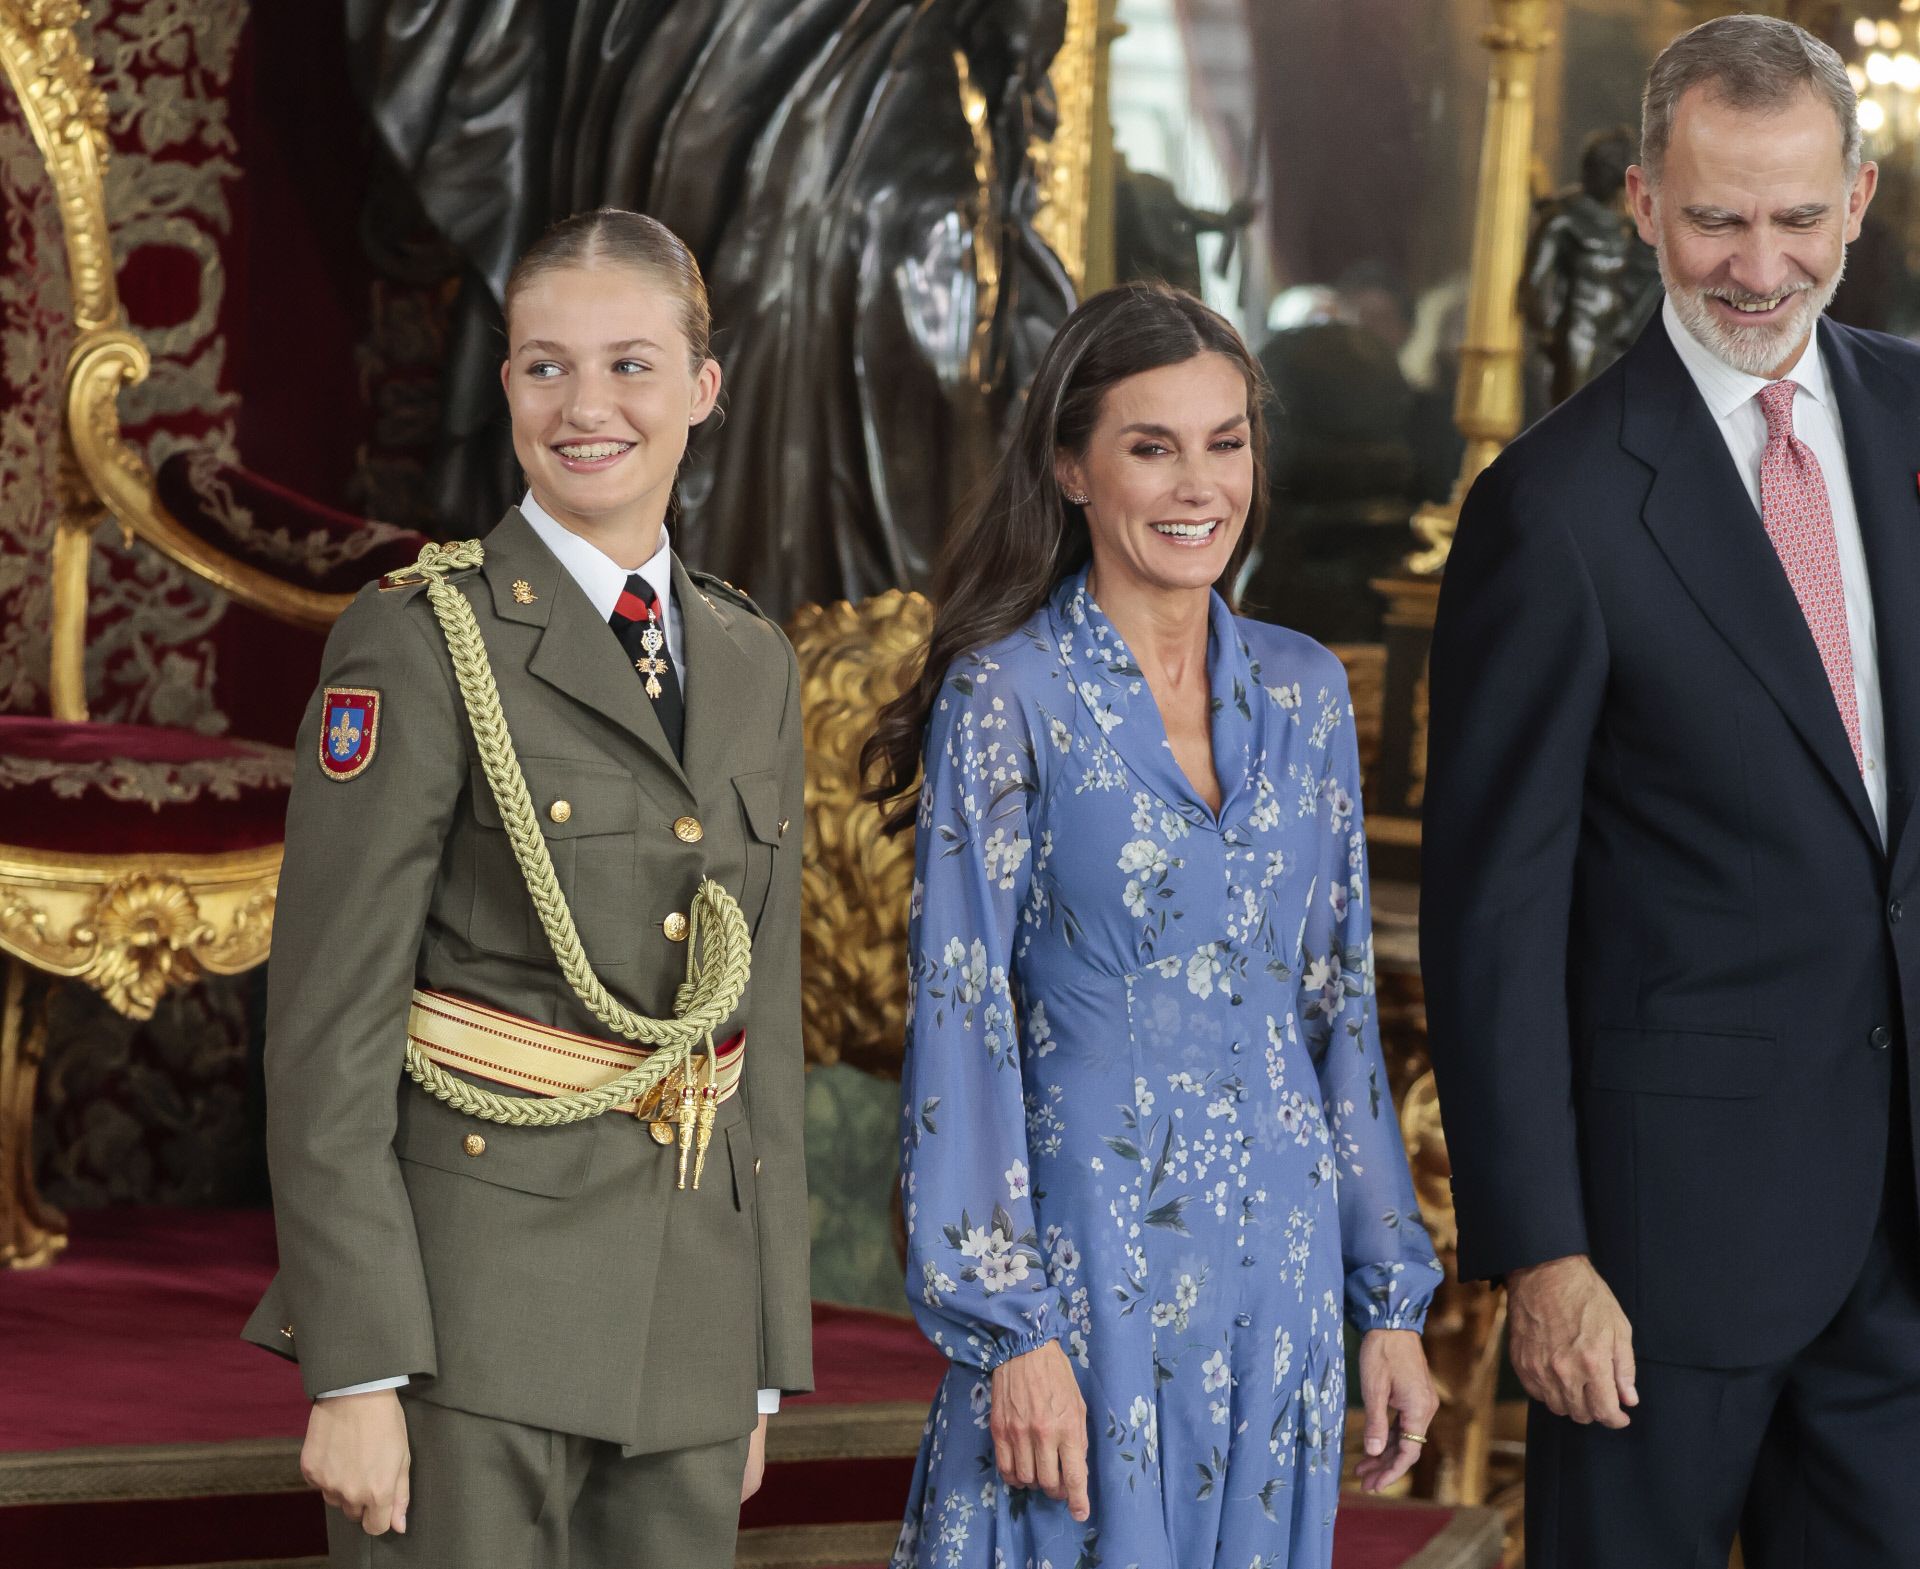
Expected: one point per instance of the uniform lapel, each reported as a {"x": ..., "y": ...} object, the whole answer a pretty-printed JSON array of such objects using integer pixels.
[
  {"x": 577, "y": 653},
  {"x": 1699, "y": 513},
  {"x": 715, "y": 665},
  {"x": 1877, "y": 416}
]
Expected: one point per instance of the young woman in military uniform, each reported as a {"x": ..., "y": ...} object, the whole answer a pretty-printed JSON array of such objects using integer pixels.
[{"x": 533, "y": 1108}]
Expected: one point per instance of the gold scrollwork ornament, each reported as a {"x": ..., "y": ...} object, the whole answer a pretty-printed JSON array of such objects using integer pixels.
[{"x": 142, "y": 931}]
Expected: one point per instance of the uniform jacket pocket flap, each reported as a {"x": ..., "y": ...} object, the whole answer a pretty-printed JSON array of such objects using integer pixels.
[
  {"x": 552, "y": 1162},
  {"x": 570, "y": 799},
  {"x": 1684, "y": 1062},
  {"x": 760, "y": 796}
]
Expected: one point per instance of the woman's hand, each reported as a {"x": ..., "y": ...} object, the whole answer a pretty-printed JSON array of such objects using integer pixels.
[
  {"x": 356, "y": 1454},
  {"x": 1393, "y": 1377},
  {"x": 1039, "y": 1425},
  {"x": 756, "y": 1460}
]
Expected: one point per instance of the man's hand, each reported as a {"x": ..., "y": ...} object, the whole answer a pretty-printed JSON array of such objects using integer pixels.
[
  {"x": 1569, "y": 1341},
  {"x": 1039, "y": 1425},
  {"x": 1393, "y": 1377},
  {"x": 756, "y": 1471},
  {"x": 356, "y": 1455}
]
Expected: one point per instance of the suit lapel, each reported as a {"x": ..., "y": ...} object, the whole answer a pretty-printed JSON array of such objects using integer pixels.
[
  {"x": 1877, "y": 416},
  {"x": 577, "y": 654},
  {"x": 1701, "y": 518},
  {"x": 715, "y": 665}
]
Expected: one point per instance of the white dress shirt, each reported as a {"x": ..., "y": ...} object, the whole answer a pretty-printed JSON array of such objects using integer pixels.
[
  {"x": 603, "y": 580},
  {"x": 1732, "y": 396}
]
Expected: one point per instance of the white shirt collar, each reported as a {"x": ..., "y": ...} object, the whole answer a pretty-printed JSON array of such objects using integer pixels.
[
  {"x": 1726, "y": 389},
  {"x": 600, "y": 577}
]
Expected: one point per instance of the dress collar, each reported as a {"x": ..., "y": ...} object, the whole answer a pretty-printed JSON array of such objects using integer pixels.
[{"x": 1110, "y": 682}]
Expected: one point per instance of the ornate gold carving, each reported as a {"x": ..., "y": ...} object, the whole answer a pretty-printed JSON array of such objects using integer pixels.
[
  {"x": 131, "y": 927},
  {"x": 1487, "y": 408},
  {"x": 52, "y": 78},
  {"x": 31, "y": 1231},
  {"x": 1366, "y": 667},
  {"x": 855, "y": 884},
  {"x": 141, "y": 931},
  {"x": 247, "y": 938},
  {"x": 68, "y": 115},
  {"x": 1465, "y": 1324},
  {"x": 1063, "y": 166},
  {"x": 103, "y": 362}
]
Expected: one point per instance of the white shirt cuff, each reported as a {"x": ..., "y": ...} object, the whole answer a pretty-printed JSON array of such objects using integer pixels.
[
  {"x": 366, "y": 1389},
  {"x": 769, "y": 1401}
]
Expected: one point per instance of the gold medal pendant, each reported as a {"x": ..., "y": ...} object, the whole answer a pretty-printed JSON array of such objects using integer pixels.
[{"x": 650, "y": 664}]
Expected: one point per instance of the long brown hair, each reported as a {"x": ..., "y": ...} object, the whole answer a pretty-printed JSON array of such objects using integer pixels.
[{"x": 1001, "y": 561}]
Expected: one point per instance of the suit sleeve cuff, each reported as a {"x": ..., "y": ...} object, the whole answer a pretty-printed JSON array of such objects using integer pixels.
[
  {"x": 365, "y": 1389},
  {"x": 769, "y": 1401}
]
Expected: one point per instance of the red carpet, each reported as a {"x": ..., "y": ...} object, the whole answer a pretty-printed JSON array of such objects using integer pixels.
[{"x": 131, "y": 1342}]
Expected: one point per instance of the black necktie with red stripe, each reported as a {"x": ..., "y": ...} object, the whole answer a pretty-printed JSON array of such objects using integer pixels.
[{"x": 636, "y": 622}]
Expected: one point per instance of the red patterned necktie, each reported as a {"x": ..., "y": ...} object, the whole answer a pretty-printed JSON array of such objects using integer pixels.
[{"x": 1799, "y": 520}]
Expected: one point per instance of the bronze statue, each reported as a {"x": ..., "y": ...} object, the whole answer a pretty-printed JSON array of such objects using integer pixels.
[
  {"x": 879, "y": 290},
  {"x": 1156, "y": 232},
  {"x": 1590, "y": 283}
]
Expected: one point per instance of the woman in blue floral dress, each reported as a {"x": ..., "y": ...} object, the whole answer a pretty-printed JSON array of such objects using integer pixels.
[{"x": 1151, "y": 1163}]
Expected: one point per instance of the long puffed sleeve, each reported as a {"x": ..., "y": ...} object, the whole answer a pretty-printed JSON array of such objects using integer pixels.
[
  {"x": 1391, "y": 1272},
  {"x": 974, "y": 1270}
]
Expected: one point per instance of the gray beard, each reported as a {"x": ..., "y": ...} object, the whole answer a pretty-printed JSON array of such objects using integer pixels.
[{"x": 1754, "y": 351}]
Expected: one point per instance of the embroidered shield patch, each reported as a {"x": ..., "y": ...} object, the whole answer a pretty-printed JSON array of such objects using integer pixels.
[{"x": 349, "y": 727}]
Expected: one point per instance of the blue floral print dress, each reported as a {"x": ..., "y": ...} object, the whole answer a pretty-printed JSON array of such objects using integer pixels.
[{"x": 1145, "y": 1110}]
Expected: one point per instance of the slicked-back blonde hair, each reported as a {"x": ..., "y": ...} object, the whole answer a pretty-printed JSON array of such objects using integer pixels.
[{"x": 614, "y": 236}]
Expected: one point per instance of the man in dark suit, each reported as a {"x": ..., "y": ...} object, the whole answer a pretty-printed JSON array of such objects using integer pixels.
[{"x": 1675, "y": 740}]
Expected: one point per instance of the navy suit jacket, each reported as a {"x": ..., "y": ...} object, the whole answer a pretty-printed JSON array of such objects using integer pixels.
[{"x": 1665, "y": 957}]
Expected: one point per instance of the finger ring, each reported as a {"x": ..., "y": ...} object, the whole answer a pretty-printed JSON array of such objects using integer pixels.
[{"x": 1414, "y": 1438}]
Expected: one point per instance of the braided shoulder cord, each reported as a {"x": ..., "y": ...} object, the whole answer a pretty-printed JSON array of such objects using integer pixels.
[{"x": 719, "y": 946}]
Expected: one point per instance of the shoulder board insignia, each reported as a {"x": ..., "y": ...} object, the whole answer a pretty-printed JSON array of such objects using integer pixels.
[
  {"x": 349, "y": 730},
  {"x": 436, "y": 561},
  {"x": 723, "y": 589}
]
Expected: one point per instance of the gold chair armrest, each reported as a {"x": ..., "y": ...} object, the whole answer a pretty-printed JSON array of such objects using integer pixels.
[{"x": 104, "y": 361}]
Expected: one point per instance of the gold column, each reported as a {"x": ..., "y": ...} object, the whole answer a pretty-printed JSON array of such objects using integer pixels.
[
  {"x": 1487, "y": 408},
  {"x": 1074, "y": 169}
]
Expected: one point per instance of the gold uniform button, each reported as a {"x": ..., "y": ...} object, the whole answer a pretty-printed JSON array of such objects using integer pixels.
[
  {"x": 688, "y": 830},
  {"x": 675, "y": 927},
  {"x": 560, "y": 811},
  {"x": 756, "y": 1166},
  {"x": 473, "y": 1144}
]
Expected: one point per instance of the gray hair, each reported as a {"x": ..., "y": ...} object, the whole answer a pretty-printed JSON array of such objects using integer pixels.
[{"x": 1746, "y": 62}]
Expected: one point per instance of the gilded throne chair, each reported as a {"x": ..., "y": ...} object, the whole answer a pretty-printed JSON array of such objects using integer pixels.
[{"x": 138, "y": 852}]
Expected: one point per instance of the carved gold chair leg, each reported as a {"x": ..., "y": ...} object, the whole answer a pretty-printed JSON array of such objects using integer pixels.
[
  {"x": 31, "y": 1231},
  {"x": 1465, "y": 1355}
]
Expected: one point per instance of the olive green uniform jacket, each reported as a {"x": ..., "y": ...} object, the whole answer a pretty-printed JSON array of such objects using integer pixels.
[{"x": 557, "y": 1279}]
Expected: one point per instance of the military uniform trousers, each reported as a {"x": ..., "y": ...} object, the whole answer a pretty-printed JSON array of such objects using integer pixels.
[{"x": 500, "y": 1495}]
